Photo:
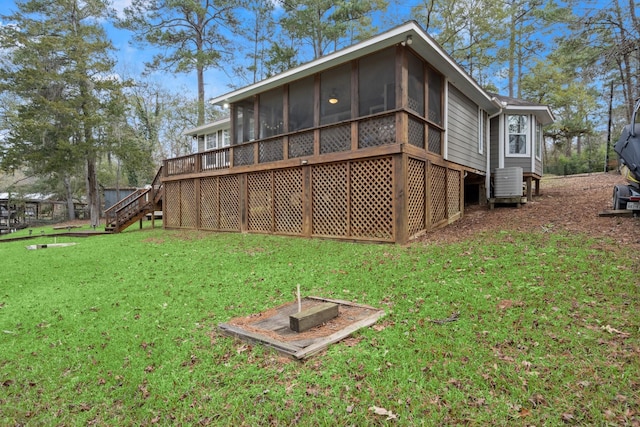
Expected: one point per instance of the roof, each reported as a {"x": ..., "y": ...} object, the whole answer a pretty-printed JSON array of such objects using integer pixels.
[
  {"x": 208, "y": 127},
  {"x": 421, "y": 43},
  {"x": 519, "y": 106},
  {"x": 33, "y": 197}
]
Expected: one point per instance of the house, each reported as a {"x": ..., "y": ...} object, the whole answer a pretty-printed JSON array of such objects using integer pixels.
[{"x": 380, "y": 141}]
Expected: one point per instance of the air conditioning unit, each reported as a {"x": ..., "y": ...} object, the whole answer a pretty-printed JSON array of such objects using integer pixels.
[{"x": 507, "y": 182}]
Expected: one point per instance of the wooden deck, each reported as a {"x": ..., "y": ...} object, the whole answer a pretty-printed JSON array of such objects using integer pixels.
[{"x": 374, "y": 178}]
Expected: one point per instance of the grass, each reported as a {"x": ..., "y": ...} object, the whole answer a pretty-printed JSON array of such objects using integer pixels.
[{"x": 121, "y": 330}]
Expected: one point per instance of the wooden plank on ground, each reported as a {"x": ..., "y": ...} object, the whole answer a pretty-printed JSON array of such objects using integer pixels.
[
  {"x": 313, "y": 316},
  {"x": 616, "y": 212},
  {"x": 340, "y": 335},
  {"x": 258, "y": 338}
]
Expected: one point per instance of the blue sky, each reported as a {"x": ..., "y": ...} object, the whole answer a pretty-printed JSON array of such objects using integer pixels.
[{"x": 130, "y": 59}]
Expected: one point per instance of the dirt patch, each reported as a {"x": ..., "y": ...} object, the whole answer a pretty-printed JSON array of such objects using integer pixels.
[{"x": 570, "y": 204}]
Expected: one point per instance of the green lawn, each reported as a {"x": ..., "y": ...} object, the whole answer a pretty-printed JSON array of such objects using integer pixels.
[{"x": 122, "y": 330}]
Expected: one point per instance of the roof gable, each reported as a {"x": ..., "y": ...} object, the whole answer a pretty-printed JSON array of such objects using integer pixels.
[{"x": 409, "y": 33}]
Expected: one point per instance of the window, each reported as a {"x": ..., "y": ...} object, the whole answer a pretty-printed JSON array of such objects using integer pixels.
[
  {"x": 517, "y": 134},
  {"x": 244, "y": 130},
  {"x": 271, "y": 115},
  {"x": 335, "y": 95},
  {"x": 218, "y": 139},
  {"x": 376, "y": 83},
  {"x": 211, "y": 141},
  {"x": 301, "y": 104},
  {"x": 416, "y": 85}
]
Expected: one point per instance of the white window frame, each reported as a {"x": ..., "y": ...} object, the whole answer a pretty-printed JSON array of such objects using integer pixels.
[
  {"x": 526, "y": 134},
  {"x": 539, "y": 139},
  {"x": 211, "y": 141}
]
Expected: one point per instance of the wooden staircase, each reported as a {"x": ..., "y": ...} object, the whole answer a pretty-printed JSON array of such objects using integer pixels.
[{"x": 135, "y": 206}]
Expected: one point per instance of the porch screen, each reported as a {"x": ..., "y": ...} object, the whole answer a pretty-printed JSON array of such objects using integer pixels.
[
  {"x": 301, "y": 104},
  {"x": 244, "y": 130},
  {"x": 271, "y": 115},
  {"x": 335, "y": 95},
  {"x": 436, "y": 88},
  {"x": 376, "y": 83},
  {"x": 416, "y": 84}
]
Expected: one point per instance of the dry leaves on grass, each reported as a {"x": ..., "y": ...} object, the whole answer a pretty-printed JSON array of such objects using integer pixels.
[{"x": 382, "y": 411}]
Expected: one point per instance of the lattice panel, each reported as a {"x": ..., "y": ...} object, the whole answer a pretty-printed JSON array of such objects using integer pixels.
[
  {"x": 260, "y": 201},
  {"x": 415, "y": 196},
  {"x": 438, "y": 178},
  {"x": 329, "y": 190},
  {"x": 229, "y": 197},
  {"x": 372, "y": 198},
  {"x": 334, "y": 139},
  {"x": 209, "y": 211},
  {"x": 243, "y": 155},
  {"x": 435, "y": 138},
  {"x": 378, "y": 131},
  {"x": 301, "y": 144},
  {"x": 414, "y": 104},
  {"x": 287, "y": 184},
  {"x": 188, "y": 204},
  {"x": 416, "y": 132},
  {"x": 172, "y": 204},
  {"x": 270, "y": 151},
  {"x": 453, "y": 192}
]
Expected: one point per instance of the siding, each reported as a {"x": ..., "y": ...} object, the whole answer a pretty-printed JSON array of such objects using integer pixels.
[
  {"x": 539, "y": 169},
  {"x": 462, "y": 132},
  {"x": 493, "y": 142},
  {"x": 523, "y": 162}
]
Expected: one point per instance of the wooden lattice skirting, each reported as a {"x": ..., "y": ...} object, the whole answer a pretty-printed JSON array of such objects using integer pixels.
[{"x": 385, "y": 199}]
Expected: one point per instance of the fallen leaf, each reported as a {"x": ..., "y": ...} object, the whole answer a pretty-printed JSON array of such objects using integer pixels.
[
  {"x": 567, "y": 417},
  {"x": 382, "y": 411},
  {"x": 611, "y": 330}
]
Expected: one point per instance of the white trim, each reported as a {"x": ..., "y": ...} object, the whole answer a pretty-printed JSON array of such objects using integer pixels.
[
  {"x": 501, "y": 141},
  {"x": 538, "y": 146},
  {"x": 527, "y": 134},
  {"x": 487, "y": 177},
  {"x": 533, "y": 141},
  {"x": 445, "y": 120}
]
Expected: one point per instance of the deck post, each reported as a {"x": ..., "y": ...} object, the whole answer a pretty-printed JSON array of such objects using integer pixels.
[{"x": 399, "y": 179}]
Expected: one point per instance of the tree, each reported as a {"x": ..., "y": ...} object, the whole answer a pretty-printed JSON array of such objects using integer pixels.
[
  {"x": 61, "y": 72},
  {"x": 326, "y": 25},
  {"x": 612, "y": 36},
  {"x": 470, "y": 31},
  {"x": 191, "y": 35}
]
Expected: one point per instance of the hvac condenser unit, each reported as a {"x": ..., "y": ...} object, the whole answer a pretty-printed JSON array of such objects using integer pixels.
[{"x": 507, "y": 182}]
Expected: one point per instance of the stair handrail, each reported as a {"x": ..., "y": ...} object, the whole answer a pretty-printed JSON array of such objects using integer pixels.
[{"x": 156, "y": 184}]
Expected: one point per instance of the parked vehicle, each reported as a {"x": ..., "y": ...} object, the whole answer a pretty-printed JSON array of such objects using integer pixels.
[{"x": 627, "y": 196}]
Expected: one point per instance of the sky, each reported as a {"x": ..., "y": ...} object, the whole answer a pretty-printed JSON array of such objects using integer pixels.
[{"x": 130, "y": 59}]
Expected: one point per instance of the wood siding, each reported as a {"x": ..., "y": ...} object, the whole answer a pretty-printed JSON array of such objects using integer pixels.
[{"x": 462, "y": 134}]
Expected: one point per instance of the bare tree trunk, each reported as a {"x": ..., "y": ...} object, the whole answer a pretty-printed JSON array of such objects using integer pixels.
[
  {"x": 66, "y": 182},
  {"x": 92, "y": 191}
]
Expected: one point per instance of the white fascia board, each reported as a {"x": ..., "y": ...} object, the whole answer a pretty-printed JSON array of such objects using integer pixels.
[
  {"x": 422, "y": 44},
  {"x": 208, "y": 128},
  {"x": 542, "y": 112}
]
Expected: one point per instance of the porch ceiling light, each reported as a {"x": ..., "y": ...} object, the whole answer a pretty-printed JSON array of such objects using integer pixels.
[{"x": 333, "y": 98}]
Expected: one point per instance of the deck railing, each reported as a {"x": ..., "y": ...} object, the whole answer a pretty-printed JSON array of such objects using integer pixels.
[{"x": 372, "y": 131}]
